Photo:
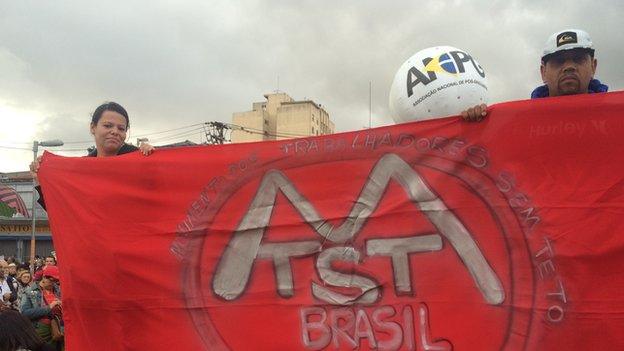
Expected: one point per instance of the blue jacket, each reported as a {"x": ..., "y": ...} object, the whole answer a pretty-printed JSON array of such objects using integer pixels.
[
  {"x": 594, "y": 87},
  {"x": 33, "y": 306}
]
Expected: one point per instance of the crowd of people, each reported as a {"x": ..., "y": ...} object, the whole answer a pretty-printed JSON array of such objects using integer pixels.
[{"x": 31, "y": 311}]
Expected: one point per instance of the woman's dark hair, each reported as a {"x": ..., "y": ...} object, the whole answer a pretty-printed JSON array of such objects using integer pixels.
[
  {"x": 17, "y": 332},
  {"x": 109, "y": 106}
]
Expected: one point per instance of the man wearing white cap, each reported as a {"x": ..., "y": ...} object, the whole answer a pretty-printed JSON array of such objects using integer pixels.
[{"x": 568, "y": 68}]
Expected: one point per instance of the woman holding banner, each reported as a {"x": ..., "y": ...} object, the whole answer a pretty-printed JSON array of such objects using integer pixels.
[{"x": 109, "y": 127}]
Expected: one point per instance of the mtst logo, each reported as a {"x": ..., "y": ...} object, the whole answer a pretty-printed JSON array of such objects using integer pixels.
[
  {"x": 248, "y": 245},
  {"x": 420, "y": 253},
  {"x": 453, "y": 62}
]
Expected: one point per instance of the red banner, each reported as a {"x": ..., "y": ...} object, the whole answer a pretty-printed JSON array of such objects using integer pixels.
[{"x": 500, "y": 235}]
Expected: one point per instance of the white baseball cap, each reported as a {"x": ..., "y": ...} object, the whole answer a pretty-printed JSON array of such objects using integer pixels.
[{"x": 567, "y": 39}]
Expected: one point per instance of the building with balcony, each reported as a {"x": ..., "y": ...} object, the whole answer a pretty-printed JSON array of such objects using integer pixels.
[{"x": 281, "y": 117}]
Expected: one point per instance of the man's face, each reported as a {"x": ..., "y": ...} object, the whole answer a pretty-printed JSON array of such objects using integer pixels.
[
  {"x": 49, "y": 261},
  {"x": 12, "y": 270},
  {"x": 568, "y": 72}
]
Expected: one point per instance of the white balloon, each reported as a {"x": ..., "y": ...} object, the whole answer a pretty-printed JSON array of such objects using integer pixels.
[{"x": 437, "y": 82}]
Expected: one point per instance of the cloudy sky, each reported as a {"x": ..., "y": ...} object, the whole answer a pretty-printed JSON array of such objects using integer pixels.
[{"x": 173, "y": 64}]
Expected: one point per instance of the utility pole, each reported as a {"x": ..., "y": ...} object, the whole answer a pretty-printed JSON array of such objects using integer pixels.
[
  {"x": 215, "y": 132},
  {"x": 33, "y": 214}
]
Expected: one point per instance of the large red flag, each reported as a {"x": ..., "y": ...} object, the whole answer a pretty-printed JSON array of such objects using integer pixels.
[{"x": 502, "y": 235}]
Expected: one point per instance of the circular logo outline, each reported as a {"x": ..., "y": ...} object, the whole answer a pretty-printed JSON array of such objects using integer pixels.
[{"x": 190, "y": 242}]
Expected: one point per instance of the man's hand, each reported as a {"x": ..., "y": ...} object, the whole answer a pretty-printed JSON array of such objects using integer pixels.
[
  {"x": 146, "y": 149},
  {"x": 475, "y": 114}
]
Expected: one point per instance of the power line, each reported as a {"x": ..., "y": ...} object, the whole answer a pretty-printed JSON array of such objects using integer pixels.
[
  {"x": 186, "y": 133},
  {"x": 215, "y": 133},
  {"x": 259, "y": 131},
  {"x": 285, "y": 134},
  {"x": 30, "y": 149},
  {"x": 168, "y": 130},
  {"x": 164, "y": 138},
  {"x": 15, "y": 148},
  {"x": 17, "y": 142},
  {"x": 134, "y": 136}
]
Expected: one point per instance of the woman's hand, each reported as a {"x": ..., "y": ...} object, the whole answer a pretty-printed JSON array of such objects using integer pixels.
[
  {"x": 146, "y": 149},
  {"x": 34, "y": 168}
]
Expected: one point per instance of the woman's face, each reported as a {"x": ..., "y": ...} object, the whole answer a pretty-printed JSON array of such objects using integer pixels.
[
  {"x": 109, "y": 133},
  {"x": 25, "y": 278}
]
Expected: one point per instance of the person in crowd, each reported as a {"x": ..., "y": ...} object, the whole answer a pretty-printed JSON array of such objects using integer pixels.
[
  {"x": 41, "y": 303},
  {"x": 39, "y": 264},
  {"x": 12, "y": 269},
  {"x": 24, "y": 281},
  {"x": 18, "y": 334},
  {"x": 23, "y": 265},
  {"x": 11, "y": 280},
  {"x": 109, "y": 127},
  {"x": 5, "y": 290},
  {"x": 5, "y": 267},
  {"x": 49, "y": 261},
  {"x": 567, "y": 67}
]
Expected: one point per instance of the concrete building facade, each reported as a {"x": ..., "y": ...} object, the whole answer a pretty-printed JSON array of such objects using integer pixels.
[{"x": 281, "y": 117}]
